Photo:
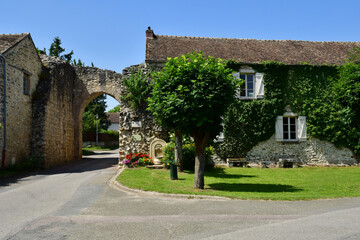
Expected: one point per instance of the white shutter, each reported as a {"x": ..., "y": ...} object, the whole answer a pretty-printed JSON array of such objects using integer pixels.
[
  {"x": 237, "y": 75},
  {"x": 301, "y": 128},
  {"x": 259, "y": 85},
  {"x": 279, "y": 128}
]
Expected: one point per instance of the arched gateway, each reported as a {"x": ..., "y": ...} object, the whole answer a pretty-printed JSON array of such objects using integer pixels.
[{"x": 61, "y": 96}]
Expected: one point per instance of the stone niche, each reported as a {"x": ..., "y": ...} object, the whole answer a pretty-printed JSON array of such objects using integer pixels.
[{"x": 156, "y": 150}]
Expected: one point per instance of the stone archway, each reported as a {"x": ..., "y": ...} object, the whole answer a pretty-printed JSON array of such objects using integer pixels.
[
  {"x": 91, "y": 83},
  {"x": 61, "y": 96}
]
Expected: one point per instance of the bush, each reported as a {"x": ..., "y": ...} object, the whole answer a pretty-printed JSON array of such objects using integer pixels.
[{"x": 188, "y": 156}]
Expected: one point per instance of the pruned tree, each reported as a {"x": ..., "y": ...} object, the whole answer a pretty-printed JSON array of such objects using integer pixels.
[{"x": 190, "y": 95}]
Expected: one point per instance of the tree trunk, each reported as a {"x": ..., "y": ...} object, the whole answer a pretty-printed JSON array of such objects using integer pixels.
[
  {"x": 178, "y": 150},
  {"x": 201, "y": 139}
]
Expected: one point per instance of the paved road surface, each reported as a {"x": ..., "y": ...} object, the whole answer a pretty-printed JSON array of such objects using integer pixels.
[{"x": 76, "y": 202}]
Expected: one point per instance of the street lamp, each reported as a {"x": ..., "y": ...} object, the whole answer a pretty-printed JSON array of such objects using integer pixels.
[{"x": 97, "y": 130}]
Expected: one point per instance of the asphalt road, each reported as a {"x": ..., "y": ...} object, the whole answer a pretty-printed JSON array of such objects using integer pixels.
[{"x": 79, "y": 202}]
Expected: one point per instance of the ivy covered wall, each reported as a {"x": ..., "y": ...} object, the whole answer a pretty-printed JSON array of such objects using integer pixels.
[{"x": 321, "y": 93}]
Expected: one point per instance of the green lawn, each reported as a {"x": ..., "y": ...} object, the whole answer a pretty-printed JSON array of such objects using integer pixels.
[
  {"x": 101, "y": 148},
  {"x": 253, "y": 183},
  {"x": 90, "y": 150}
]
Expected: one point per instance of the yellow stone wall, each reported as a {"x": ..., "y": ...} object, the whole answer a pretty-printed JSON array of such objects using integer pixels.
[{"x": 22, "y": 58}]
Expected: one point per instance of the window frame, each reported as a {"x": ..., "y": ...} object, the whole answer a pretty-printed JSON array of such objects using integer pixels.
[
  {"x": 246, "y": 83},
  {"x": 289, "y": 131},
  {"x": 26, "y": 83}
]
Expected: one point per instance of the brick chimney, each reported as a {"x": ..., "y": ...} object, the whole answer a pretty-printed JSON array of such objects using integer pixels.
[{"x": 150, "y": 33}]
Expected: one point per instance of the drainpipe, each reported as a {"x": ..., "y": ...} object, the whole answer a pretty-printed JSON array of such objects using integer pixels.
[{"x": 4, "y": 146}]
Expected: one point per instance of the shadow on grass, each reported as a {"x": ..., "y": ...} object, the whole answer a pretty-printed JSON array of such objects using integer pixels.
[
  {"x": 220, "y": 173},
  {"x": 253, "y": 187}
]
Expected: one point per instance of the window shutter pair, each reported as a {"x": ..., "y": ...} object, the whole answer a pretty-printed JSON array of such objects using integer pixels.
[{"x": 301, "y": 128}]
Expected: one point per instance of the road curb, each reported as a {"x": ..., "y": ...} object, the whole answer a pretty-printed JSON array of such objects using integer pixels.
[{"x": 118, "y": 186}]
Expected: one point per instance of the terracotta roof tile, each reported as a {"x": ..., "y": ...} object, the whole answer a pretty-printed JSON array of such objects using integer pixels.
[
  {"x": 113, "y": 117},
  {"x": 160, "y": 47}
]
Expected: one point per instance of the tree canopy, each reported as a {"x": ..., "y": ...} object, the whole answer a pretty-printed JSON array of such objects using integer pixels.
[
  {"x": 190, "y": 94},
  {"x": 95, "y": 108}
]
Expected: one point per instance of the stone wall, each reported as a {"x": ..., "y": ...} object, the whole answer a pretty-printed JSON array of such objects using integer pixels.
[
  {"x": 310, "y": 152},
  {"x": 137, "y": 128},
  {"x": 22, "y": 59},
  {"x": 53, "y": 104}
]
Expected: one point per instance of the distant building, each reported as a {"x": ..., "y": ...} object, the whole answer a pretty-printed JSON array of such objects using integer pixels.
[{"x": 114, "y": 119}]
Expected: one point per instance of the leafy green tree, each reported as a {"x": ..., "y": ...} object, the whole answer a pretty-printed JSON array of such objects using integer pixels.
[
  {"x": 137, "y": 89},
  {"x": 95, "y": 113},
  {"x": 115, "y": 109},
  {"x": 190, "y": 95},
  {"x": 56, "y": 50}
]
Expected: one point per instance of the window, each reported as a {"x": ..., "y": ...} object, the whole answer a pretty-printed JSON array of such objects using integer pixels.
[
  {"x": 26, "y": 79},
  {"x": 247, "y": 88},
  {"x": 252, "y": 87},
  {"x": 290, "y": 128}
]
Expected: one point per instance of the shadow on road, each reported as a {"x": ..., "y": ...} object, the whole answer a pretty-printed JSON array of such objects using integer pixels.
[{"x": 101, "y": 160}]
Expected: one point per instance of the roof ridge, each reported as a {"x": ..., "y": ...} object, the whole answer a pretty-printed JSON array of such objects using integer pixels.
[{"x": 253, "y": 39}]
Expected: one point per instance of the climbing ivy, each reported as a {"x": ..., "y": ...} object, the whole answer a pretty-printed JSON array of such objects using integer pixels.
[{"x": 327, "y": 95}]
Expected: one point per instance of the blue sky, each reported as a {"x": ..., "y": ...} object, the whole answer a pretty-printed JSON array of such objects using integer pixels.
[{"x": 111, "y": 34}]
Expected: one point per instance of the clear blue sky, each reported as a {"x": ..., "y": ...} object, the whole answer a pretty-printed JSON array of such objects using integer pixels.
[{"x": 111, "y": 33}]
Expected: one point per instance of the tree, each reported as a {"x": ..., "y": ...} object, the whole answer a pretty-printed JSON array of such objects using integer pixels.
[
  {"x": 115, "y": 109},
  {"x": 95, "y": 111},
  {"x": 56, "y": 50},
  {"x": 137, "y": 89},
  {"x": 190, "y": 95}
]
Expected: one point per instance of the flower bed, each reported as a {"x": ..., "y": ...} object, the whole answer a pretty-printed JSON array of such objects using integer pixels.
[{"x": 137, "y": 159}]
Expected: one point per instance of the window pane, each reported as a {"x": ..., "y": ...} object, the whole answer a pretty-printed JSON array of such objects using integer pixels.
[
  {"x": 286, "y": 135},
  {"x": 285, "y": 120},
  {"x": 292, "y": 128},
  {"x": 292, "y": 120},
  {"x": 242, "y": 76},
  {"x": 292, "y": 135},
  {"x": 250, "y": 93},
  {"x": 250, "y": 78}
]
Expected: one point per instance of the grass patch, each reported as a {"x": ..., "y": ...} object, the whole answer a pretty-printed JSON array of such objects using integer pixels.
[
  {"x": 29, "y": 165},
  {"x": 86, "y": 152},
  {"x": 99, "y": 148},
  {"x": 253, "y": 183}
]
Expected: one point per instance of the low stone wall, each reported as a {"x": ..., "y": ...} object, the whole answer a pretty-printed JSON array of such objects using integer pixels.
[{"x": 310, "y": 152}]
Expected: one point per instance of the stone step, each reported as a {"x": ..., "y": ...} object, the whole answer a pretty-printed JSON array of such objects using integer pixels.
[{"x": 155, "y": 166}]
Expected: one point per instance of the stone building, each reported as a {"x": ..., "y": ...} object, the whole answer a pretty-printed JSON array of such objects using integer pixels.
[
  {"x": 290, "y": 143},
  {"x": 45, "y": 101},
  {"x": 46, "y": 98},
  {"x": 22, "y": 73}
]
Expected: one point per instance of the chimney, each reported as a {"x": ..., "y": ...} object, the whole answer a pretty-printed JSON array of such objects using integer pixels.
[{"x": 150, "y": 33}]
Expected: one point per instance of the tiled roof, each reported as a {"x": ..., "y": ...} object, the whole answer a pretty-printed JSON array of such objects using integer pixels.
[
  {"x": 160, "y": 47},
  {"x": 9, "y": 40},
  {"x": 113, "y": 117}
]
